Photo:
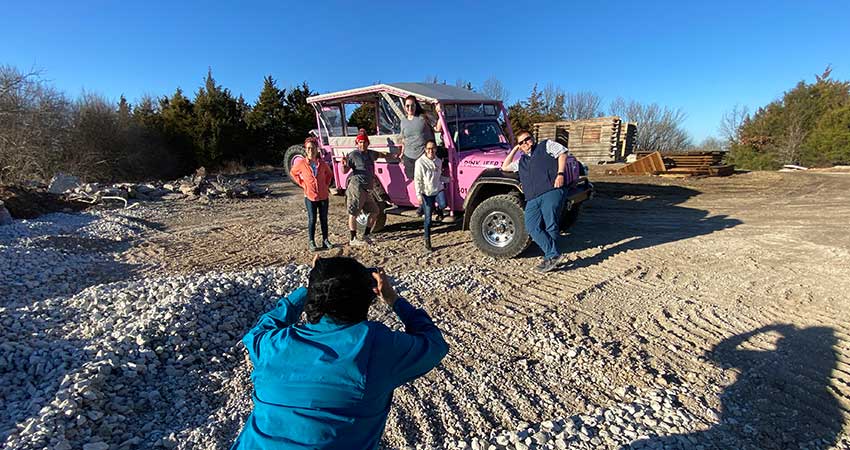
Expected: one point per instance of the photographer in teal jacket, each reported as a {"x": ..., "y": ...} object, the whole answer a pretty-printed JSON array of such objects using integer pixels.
[{"x": 328, "y": 383}]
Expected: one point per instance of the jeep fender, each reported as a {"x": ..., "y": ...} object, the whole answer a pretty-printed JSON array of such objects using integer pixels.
[{"x": 491, "y": 182}]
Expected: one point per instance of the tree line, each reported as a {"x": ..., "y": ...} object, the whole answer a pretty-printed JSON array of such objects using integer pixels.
[
  {"x": 43, "y": 131},
  {"x": 809, "y": 126}
]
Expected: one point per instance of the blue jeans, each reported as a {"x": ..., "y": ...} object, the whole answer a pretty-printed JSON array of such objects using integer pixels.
[
  {"x": 542, "y": 216},
  {"x": 427, "y": 203},
  {"x": 320, "y": 207}
]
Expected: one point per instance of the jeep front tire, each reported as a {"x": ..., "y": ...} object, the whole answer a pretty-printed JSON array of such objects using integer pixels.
[{"x": 498, "y": 226}]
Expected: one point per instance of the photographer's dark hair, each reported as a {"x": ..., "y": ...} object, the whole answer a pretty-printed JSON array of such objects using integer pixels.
[{"x": 340, "y": 288}]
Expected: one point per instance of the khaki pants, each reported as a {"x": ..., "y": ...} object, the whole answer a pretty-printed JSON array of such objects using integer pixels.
[{"x": 358, "y": 199}]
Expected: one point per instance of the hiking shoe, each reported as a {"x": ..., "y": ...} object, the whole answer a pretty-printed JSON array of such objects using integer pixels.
[
  {"x": 327, "y": 244},
  {"x": 547, "y": 265},
  {"x": 562, "y": 259},
  {"x": 313, "y": 247},
  {"x": 539, "y": 267},
  {"x": 357, "y": 243},
  {"x": 368, "y": 240}
]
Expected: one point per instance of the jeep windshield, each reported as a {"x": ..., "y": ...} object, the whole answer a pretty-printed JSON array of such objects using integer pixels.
[{"x": 478, "y": 134}]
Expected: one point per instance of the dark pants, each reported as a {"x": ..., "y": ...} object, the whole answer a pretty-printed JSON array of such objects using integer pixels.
[
  {"x": 321, "y": 207},
  {"x": 409, "y": 169},
  {"x": 428, "y": 202},
  {"x": 542, "y": 215},
  {"x": 409, "y": 166}
]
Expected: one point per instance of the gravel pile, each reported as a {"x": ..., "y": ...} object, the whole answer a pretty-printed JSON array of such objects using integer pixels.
[
  {"x": 91, "y": 363},
  {"x": 461, "y": 279},
  {"x": 134, "y": 364},
  {"x": 60, "y": 254},
  {"x": 627, "y": 424}
]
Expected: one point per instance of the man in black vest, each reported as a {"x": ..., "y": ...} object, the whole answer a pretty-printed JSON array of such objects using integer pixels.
[{"x": 541, "y": 170}]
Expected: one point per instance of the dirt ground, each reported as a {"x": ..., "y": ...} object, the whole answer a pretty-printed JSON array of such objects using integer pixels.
[{"x": 731, "y": 291}]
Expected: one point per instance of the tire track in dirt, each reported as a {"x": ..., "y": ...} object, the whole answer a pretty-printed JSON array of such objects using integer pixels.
[{"x": 636, "y": 314}]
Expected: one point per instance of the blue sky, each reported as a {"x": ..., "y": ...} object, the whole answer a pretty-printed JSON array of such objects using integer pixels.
[{"x": 702, "y": 57}]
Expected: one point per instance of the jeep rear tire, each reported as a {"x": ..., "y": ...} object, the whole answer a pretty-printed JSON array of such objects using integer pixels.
[
  {"x": 569, "y": 217},
  {"x": 290, "y": 157},
  {"x": 381, "y": 218},
  {"x": 498, "y": 226}
]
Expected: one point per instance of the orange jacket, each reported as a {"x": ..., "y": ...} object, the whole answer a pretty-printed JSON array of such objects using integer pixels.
[{"x": 315, "y": 187}]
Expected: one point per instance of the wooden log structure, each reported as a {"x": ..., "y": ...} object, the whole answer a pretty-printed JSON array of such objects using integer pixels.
[{"x": 592, "y": 141}]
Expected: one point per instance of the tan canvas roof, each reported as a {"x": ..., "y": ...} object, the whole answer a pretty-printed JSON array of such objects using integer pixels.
[{"x": 423, "y": 91}]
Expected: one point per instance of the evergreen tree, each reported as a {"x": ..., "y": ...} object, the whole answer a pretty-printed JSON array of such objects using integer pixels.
[
  {"x": 146, "y": 113},
  {"x": 829, "y": 142},
  {"x": 300, "y": 116},
  {"x": 524, "y": 114},
  {"x": 124, "y": 112},
  {"x": 799, "y": 128},
  {"x": 364, "y": 117},
  {"x": 219, "y": 127},
  {"x": 178, "y": 127},
  {"x": 266, "y": 123}
]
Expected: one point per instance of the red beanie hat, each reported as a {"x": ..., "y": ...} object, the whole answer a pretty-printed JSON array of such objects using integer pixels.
[{"x": 361, "y": 136}]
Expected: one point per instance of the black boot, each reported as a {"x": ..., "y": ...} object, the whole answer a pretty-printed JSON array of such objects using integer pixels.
[{"x": 428, "y": 244}]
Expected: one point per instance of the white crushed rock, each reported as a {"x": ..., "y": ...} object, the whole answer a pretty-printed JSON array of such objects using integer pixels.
[{"x": 93, "y": 358}]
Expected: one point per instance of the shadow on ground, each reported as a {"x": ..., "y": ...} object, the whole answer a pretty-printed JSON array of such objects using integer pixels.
[
  {"x": 630, "y": 216},
  {"x": 781, "y": 398}
]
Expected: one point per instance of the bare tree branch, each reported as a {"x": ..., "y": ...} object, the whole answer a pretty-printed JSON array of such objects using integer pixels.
[
  {"x": 730, "y": 124},
  {"x": 494, "y": 89},
  {"x": 582, "y": 105},
  {"x": 658, "y": 128}
]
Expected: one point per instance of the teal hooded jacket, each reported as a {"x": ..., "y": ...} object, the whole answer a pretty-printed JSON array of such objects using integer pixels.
[{"x": 328, "y": 385}]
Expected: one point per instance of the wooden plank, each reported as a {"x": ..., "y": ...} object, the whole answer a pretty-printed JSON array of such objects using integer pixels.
[{"x": 647, "y": 164}]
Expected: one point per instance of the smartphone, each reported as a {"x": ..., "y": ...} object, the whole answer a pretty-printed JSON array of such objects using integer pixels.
[{"x": 372, "y": 281}]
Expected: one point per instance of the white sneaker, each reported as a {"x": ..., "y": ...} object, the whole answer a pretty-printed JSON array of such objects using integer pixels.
[{"x": 357, "y": 243}]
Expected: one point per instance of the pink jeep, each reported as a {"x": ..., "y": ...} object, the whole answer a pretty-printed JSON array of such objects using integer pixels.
[{"x": 474, "y": 141}]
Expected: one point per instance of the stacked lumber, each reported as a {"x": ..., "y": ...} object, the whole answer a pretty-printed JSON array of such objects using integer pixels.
[
  {"x": 597, "y": 140},
  {"x": 682, "y": 164}
]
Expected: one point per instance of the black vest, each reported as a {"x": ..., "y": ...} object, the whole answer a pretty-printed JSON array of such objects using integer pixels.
[{"x": 537, "y": 172}]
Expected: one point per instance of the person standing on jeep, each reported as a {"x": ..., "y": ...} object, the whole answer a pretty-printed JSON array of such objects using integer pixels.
[
  {"x": 542, "y": 173},
  {"x": 415, "y": 132},
  {"x": 358, "y": 191}
]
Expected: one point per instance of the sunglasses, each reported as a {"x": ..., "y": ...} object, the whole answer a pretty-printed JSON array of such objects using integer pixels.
[{"x": 528, "y": 139}]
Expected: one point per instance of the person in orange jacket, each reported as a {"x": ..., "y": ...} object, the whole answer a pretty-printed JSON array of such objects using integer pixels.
[{"x": 314, "y": 176}]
